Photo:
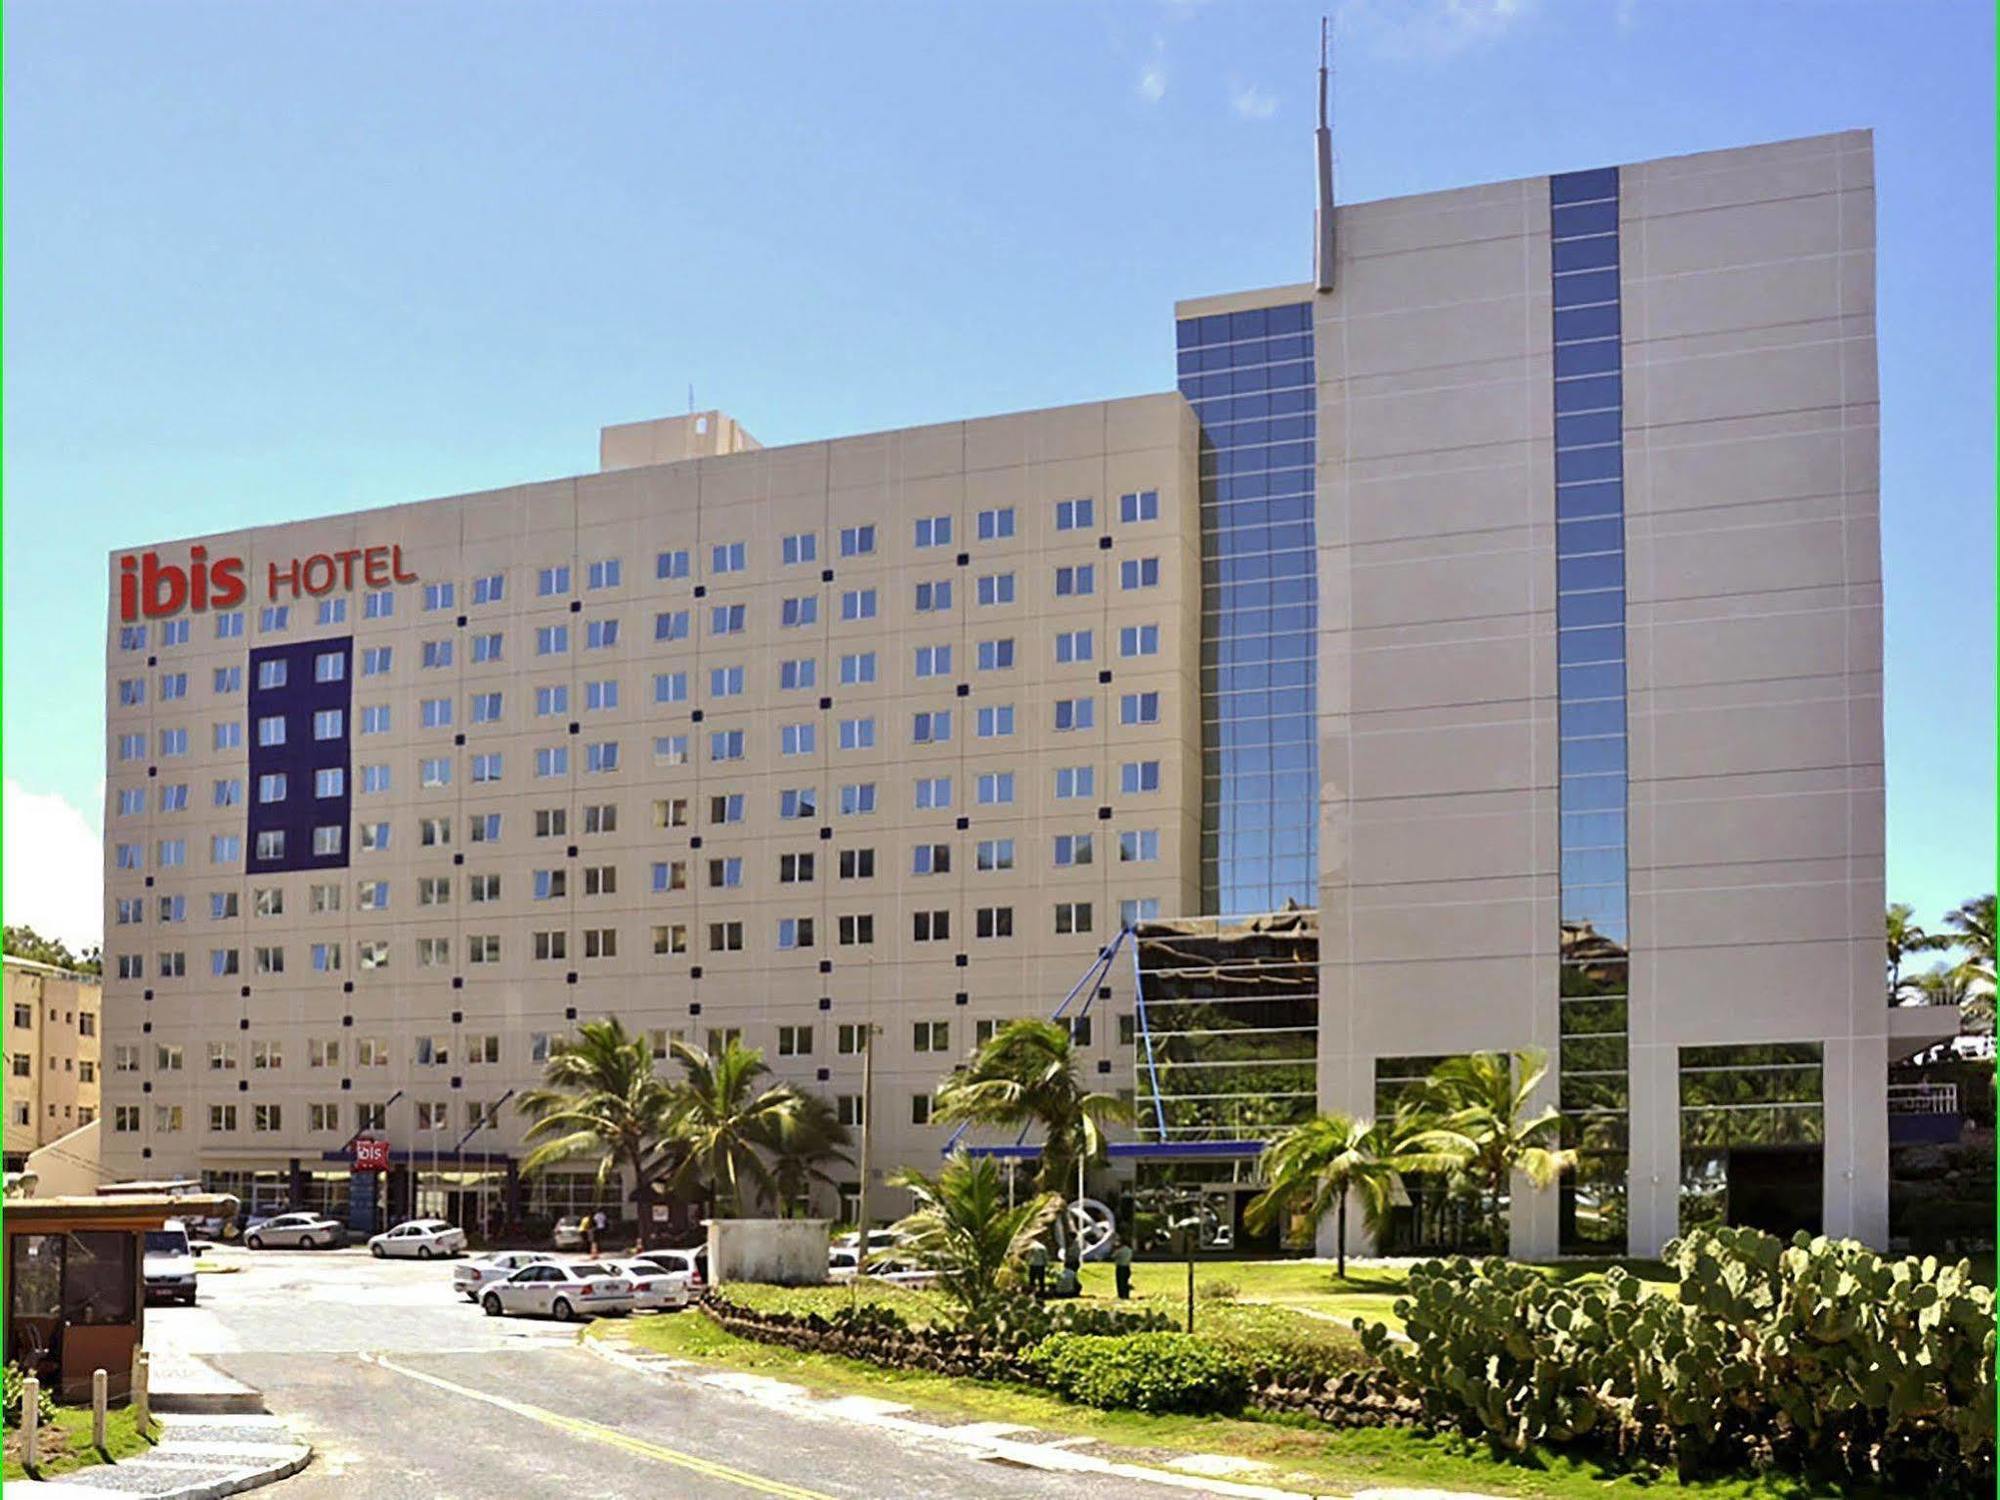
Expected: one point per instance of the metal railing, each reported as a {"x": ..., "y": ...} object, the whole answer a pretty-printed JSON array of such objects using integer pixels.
[{"x": 1923, "y": 1099}]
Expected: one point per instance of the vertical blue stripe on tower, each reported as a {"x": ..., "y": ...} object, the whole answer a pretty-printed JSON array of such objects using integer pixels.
[{"x": 306, "y": 690}]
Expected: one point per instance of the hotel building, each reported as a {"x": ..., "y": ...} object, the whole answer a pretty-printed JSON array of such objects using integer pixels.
[{"x": 1510, "y": 594}]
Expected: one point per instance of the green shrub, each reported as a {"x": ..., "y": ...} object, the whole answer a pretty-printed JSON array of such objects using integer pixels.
[
  {"x": 1218, "y": 1291},
  {"x": 1151, "y": 1372},
  {"x": 16, "y": 1383}
]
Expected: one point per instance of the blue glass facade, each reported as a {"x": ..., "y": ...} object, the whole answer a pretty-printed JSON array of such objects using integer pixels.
[
  {"x": 1591, "y": 709},
  {"x": 307, "y": 688},
  {"x": 1249, "y": 377}
]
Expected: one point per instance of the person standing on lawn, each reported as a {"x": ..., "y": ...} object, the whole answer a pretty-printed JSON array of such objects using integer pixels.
[
  {"x": 1121, "y": 1267},
  {"x": 1038, "y": 1270}
]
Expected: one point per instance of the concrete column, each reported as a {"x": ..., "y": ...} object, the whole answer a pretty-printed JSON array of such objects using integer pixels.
[
  {"x": 1534, "y": 1214},
  {"x": 1857, "y": 1140},
  {"x": 1656, "y": 1147}
]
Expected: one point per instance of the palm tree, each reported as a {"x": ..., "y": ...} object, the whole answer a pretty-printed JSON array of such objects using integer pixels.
[
  {"x": 600, "y": 1097},
  {"x": 1315, "y": 1166},
  {"x": 1906, "y": 936},
  {"x": 963, "y": 1228},
  {"x": 1026, "y": 1074},
  {"x": 723, "y": 1114},
  {"x": 1972, "y": 929},
  {"x": 800, "y": 1143},
  {"x": 1482, "y": 1102}
]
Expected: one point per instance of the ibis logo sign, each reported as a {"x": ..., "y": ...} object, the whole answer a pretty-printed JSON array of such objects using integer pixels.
[{"x": 151, "y": 589}]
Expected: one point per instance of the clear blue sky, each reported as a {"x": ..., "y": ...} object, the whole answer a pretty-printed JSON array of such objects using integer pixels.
[{"x": 270, "y": 261}]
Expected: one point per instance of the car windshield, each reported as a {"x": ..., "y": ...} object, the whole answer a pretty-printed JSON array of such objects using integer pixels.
[
  {"x": 595, "y": 1270},
  {"x": 166, "y": 1242}
]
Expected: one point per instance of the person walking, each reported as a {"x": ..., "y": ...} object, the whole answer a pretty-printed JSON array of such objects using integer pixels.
[
  {"x": 1038, "y": 1270},
  {"x": 1121, "y": 1267}
]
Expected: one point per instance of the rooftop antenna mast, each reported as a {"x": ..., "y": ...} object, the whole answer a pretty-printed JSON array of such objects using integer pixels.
[{"x": 1323, "y": 216}]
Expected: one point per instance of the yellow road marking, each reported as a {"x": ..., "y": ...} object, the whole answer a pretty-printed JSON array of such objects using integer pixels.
[{"x": 611, "y": 1436}]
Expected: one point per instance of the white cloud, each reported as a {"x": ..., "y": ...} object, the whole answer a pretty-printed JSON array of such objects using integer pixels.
[
  {"x": 1429, "y": 28},
  {"x": 1152, "y": 83},
  {"x": 54, "y": 868},
  {"x": 1252, "y": 102}
]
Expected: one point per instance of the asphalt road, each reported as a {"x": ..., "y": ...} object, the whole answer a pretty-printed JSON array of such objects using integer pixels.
[{"x": 408, "y": 1392}]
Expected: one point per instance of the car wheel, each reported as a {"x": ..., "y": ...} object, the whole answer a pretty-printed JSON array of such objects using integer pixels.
[
  {"x": 377, "y": 1251},
  {"x": 562, "y": 1310},
  {"x": 423, "y": 1252},
  {"x": 491, "y": 1302},
  {"x": 255, "y": 1242}
]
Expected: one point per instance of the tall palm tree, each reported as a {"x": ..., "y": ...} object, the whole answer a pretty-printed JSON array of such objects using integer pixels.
[
  {"x": 964, "y": 1229},
  {"x": 1972, "y": 929},
  {"x": 599, "y": 1096},
  {"x": 1906, "y": 936},
  {"x": 723, "y": 1113},
  {"x": 1314, "y": 1167},
  {"x": 1483, "y": 1120},
  {"x": 1026, "y": 1074},
  {"x": 1958, "y": 984},
  {"x": 800, "y": 1144}
]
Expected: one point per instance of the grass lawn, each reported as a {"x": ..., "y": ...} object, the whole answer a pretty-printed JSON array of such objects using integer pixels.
[
  {"x": 65, "y": 1443},
  {"x": 1302, "y": 1456}
]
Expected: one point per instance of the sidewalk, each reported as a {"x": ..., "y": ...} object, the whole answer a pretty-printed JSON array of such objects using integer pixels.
[{"x": 197, "y": 1458}]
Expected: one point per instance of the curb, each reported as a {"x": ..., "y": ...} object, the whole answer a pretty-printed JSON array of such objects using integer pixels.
[{"x": 168, "y": 1454}]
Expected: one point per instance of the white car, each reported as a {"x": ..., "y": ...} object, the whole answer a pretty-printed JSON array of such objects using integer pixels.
[
  {"x": 467, "y": 1280},
  {"x": 300, "y": 1231},
  {"x": 169, "y": 1263},
  {"x": 561, "y": 1291},
  {"x": 654, "y": 1290},
  {"x": 422, "y": 1238},
  {"x": 693, "y": 1264}
]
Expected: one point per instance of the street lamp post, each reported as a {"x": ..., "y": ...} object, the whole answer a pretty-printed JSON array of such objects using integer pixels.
[{"x": 869, "y": 1031}]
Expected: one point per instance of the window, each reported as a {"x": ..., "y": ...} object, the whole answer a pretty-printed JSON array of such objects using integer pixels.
[
  {"x": 993, "y": 922},
  {"x": 670, "y": 812},
  {"x": 271, "y": 844},
  {"x": 728, "y": 557},
  {"x": 795, "y": 932},
  {"x": 1138, "y": 846},
  {"x": 793, "y": 613},
  {"x": 600, "y": 635},
  {"x": 857, "y": 541},
  {"x": 266, "y": 1055},
  {"x": 222, "y": 1116},
  {"x": 606, "y": 574},
  {"x": 600, "y": 757},
  {"x": 670, "y": 625},
  {"x": 857, "y": 667},
  {"x": 433, "y": 890},
  {"x": 726, "y": 619},
  {"x": 486, "y": 648},
  {"x": 228, "y": 627},
  {"x": 552, "y": 761},
  {"x": 996, "y": 588},
  {"x": 600, "y": 817},
  {"x": 725, "y": 744},
  {"x": 322, "y": 1117},
  {"x": 1074, "y": 713},
  {"x": 131, "y": 801},
  {"x": 552, "y": 581},
  {"x": 725, "y": 682},
  {"x": 996, "y": 788},
  {"x": 271, "y": 730},
  {"x": 857, "y": 734},
  {"x": 995, "y": 524},
  {"x": 1074, "y": 515},
  {"x": 434, "y": 654},
  {"x": 920, "y": 1109},
  {"x": 551, "y": 885},
  {"x": 796, "y": 739},
  {"x": 1139, "y": 573},
  {"x": 931, "y": 1036},
  {"x": 433, "y": 832},
  {"x": 600, "y": 942},
  {"x": 725, "y": 937},
  {"x": 229, "y": 679},
  {"x": 857, "y": 799},
  {"x": 1139, "y": 640},
  {"x": 377, "y": 660},
  {"x": 328, "y": 838},
  {"x": 672, "y": 938},
  {"x": 933, "y": 531},
  {"x": 330, "y": 723},
  {"x": 670, "y": 749},
  {"x": 222, "y": 1057},
  {"x": 857, "y": 864},
  {"x": 434, "y": 771},
  {"x": 485, "y": 828},
  {"x": 996, "y": 721},
  {"x": 670, "y": 687},
  {"x": 322, "y": 897},
  {"x": 375, "y": 778},
  {"x": 1072, "y": 849},
  {"x": 933, "y": 596},
  {"x": 1145, "y": 909},
  {"x": 131, "y": 638},
  {"x": 551, "y": 640},
  {"x": 378, "y": 604},
  {"x": 330, "y": 666},
  {"x": 995, "y": 854},
  {"x": 996, "y": 656},
  {"x": 930, "y": 926},
  {"x": 1137, "y": 776},
  {"x": 173, "y": 632},
  {"x": 133, "y": 746},
  {"x": 798, "y": 675},
  {"x": 1072, "y": 917},
  {"x": 274, "y": 617},
  {"x": 550, "y": 947},
  {"x": 271, "y": 673},
  {"x": 1073, "y": 646},
  {"x": 1076, "y": 581},
  {"x": 374, "y": 720},
  {"x": 173, "y": 685},
  {"x": 372, "y": 895},
  {"x": 933, "y": 661},
  {"x": 671, "y": 564},
  {"x": 486, "y": 767},
  {"x": 489, "y": 588},
  {"x": 930, "y": 859},
  {"x": 933, "y": 791},
  {"x": 131, "y": 692},
  {"x": 857, "y": 604},
  {"x": 482, "y": 888},
  {"x": 1143, "y": 506},
  {"x": 1139, "y": 708},
  {"x": 332, "y": 611},
  {"x": 725, "y": 873},
  {"x": 1076, "y": 781},
  {"x": 798, "y": 802},
  {"x": 325, "y": 959},
  {"x": 858, "y": 929},
  {"x": 849, "y": 1108},
  {"x": 803, "y": 547},
  {"x": 727, "y": 808},
  {"x": 228, "y": 736},
  {"x": 931, "y": 728}
]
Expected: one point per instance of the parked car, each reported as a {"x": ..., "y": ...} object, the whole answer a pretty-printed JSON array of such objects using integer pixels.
[
  {"x": 843, "y": 1265},
  {"x": 468, "y": 1280},
  {"x": 878, "y": 1240},
  {"x": 297, "y": 1231},
  {"x": 169, "y": 1263},
  {"x": 654, "y": 1290},
  {"x": 692, "y": 1264},
  {"x": 561, "y": 1291},
  {"x": 572, "y": 1233},
  {"x": 422, "y": 1238}
]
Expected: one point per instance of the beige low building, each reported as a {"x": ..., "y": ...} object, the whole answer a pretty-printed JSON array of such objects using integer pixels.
[
  {"x": 52, "y": 1083},
  {"x": 1510, "y": 593}
]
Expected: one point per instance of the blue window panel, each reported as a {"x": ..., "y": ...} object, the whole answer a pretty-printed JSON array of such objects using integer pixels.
[
  {"x": 1605, "y": 607},
  {"x": 1599, "y": 357},
  {"x": 1581, "y": 288},
  {"x": 1593, "y": 393},
  {"x": 1591, "y": 757},
  {"x": 1585, "y": 867},
  {"x": 1574, "y": 538},
  {"x": 1582, "y": 187},
  {"x": 1573, "y": 323},
  {"x": 1578, "y": 501},
  {"x": 1583, "y": 218},
  {"x": 1592, "y": 830},
  {"x": 1592, "y": 717},
  {"x": 1186, "y": 333},
  {"x": 1602, "y": 571},
  {"x": 1592, "y": 794},
  {"x": 1251, "y": 323},
  {"x": 1584, "y": 255},
  {"x": 1293, "y": 317},
  {"x": 1590, "y": 428},
  {"x": 1576, "y": 684},
  {"x": 1579, "y": 465},
  {"x": 1574, "y": 648},
  {"x": 303, "y": 753},
  {"x": 1600, "y": 907}
]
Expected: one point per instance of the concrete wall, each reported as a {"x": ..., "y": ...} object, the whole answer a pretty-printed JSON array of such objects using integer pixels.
[
  {"x": 53, "y": 1080},
  {"x": 785, "y": 1252}
]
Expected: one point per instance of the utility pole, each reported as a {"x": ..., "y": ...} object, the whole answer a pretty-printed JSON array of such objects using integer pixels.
[{"x": 868, "y": 1033}]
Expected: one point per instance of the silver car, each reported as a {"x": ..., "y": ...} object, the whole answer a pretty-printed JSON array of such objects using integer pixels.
[
  {"x": 552, "y": 1289},
  {"x": 471, "y": 1278},
  {"x": 297, "y": 1231}
]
